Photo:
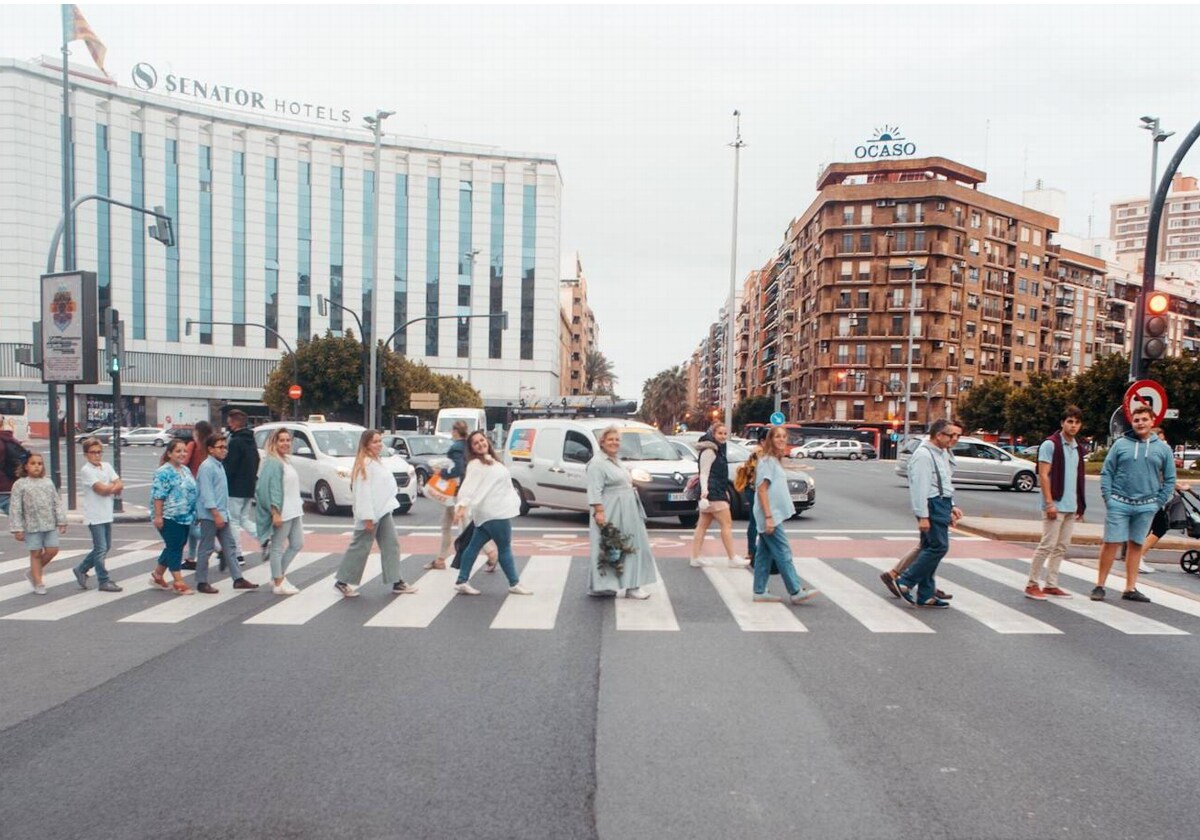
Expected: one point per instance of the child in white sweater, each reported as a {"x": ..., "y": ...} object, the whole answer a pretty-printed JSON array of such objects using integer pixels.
[{"x": 38, "y": 517}]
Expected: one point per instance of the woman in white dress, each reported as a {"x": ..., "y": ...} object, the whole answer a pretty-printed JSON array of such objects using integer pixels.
[{"x": 613, "y": 499}]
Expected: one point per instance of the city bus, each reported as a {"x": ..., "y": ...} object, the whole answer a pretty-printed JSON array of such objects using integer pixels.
[{"x": 15, "y": 408}]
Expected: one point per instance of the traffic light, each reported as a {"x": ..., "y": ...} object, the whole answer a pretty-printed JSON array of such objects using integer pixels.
[
  {"x": 116, "y": 344},
  {"x": 1154, "y": 326}
]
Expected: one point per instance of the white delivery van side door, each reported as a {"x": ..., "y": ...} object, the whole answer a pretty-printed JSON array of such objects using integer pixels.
[
  {"x": 578, "y": 450},
  {"x": 549, "y": 475}
]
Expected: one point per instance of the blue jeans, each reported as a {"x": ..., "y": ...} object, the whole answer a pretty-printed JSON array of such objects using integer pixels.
[
  {"x": 101, "y": 540},
  {"x": 774, "y": 548},
  {"x": 498, "y": 531},
  {"x": 174, "y": 536},
  {"x": 934, "y": 544},
  {"x": 751, "y": 528}
]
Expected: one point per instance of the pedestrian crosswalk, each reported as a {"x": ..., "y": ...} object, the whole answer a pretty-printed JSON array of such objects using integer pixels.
[{"x": 988, "y": 593}]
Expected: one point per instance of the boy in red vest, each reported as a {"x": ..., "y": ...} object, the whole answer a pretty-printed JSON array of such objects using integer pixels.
[{"x": 1061, "y": 480}]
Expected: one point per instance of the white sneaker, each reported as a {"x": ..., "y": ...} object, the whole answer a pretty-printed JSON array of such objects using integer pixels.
[
  {"x": 738, "y": 563},
  {"x": 637, "y": 593},
  {"x": 465, "y": 589},
  {"x": 1143, "y": 569},
  {"x": 804, "y": 594},
  {"x": 39, "y": 589},
  {"x": 518, "y": 589},
  {"x": 285, "y": 588},
  {"x": 699, "y": 562}
]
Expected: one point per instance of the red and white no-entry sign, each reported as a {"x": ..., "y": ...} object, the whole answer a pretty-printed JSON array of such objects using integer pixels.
[
  {"x": 1145, "y": 392},
  {"x": 295, "y": 391}
]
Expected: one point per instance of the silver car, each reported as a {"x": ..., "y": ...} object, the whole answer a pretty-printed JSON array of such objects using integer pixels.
[
  {"x": 146, "y": 436},
  {"x": 801, "y": 485},
  {"x": 978, "y": 463}
]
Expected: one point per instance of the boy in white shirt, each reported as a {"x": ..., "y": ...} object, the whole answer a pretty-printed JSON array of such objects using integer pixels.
[{"x": 100, "y": 484}]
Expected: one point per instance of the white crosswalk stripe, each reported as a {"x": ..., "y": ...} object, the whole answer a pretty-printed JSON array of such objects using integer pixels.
[
  {"x": 313, "y": 600},
  {"x": 1116, "y": 583},
  {"x": 50, "y": 579},
  {"x": 21, "y": 564},
  {"x": 1115, "y": 617},
  {"x": 546, "y": 576},
  {"x": 435, "y": 591},
  {"x": 865, "y": 606},
  {"x": 653, "y": 614},
  {"x": 84, "y": 601},
  {"x": 999, "y": 617},
  {"x": 733, "y": 585}
]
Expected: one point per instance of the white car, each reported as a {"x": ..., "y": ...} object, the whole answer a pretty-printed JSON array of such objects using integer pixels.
[
  {"x": 146, "y": 435},
  {"x": 323, "y": 455},
  {"x": 852, "y": 450}
]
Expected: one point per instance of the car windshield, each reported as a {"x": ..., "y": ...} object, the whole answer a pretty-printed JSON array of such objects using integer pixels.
[
  {"x": 337, "y": 443},
  {"x": 735, "y": 453},
  {"x": 644, "y": 445},
  {"x": 428, "y": 445}
]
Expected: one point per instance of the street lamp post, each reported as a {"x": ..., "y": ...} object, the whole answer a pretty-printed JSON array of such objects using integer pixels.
[
  {"x": 323, "y": 304},
  {"x": 187, "y": 330},
  {"x": 1157, "y": 135},
  {"x": 946, "y": 394},
  {"x": 912, "y": 314},
  {"x": 737, "y": 145},
  {"x": 470, "y": 257},
  {"x": 375, "y": 123}
]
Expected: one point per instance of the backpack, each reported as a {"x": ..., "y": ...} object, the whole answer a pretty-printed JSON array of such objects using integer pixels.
[
  {"x": 746, "y": 474},
  {"x": 15, "y": 456}
]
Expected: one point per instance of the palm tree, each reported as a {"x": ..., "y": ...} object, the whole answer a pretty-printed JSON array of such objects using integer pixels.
[
  {"x": 664, "y": 397},
  {"x": 598, "y": 376}
]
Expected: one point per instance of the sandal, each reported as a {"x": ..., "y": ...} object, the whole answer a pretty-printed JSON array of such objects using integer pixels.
[
  {"x": 436, "y": 563},
  {"x": 182, "y": 588},
  {"x": 157, "y": 580}
]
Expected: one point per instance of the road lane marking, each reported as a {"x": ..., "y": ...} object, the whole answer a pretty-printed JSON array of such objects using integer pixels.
[
  {"x": 83, "y": 601},
  {"x": 14, "y": 590},
  {"x": 546, "y": 576},
  {"x": 435, "y": 591},
  {"x": 21, "y": 564},
  {"x": 1115, "y": 582},
  {"x": 653, "y": 614},
  {"x": 865, "y": 606},
  {"x": 734, "y": 587},
  {"x": 313, "y": 599}
]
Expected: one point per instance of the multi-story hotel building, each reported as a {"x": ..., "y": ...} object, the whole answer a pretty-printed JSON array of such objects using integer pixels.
[
  {"x": 271, "y": 212},
  {"x": 895, "y": 254}
]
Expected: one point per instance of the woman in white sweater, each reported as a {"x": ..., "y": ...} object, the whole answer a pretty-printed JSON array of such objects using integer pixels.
[
  {"x": 488, "y": 493},
  {"x": 374, "y": 489}
]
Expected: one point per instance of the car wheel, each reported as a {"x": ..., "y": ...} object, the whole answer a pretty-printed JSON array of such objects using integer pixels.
[
  {"x": 524, "y": 502},
  {"x": 160, "y": 443},
  {"x": 1024, "y": 482},
  {"x": 689, "y": 520},
  {"x": 819, "y": 456},
  {"x": 323, "y": 499},
  {"x": 404, "y": 507},
  {"x": 422, "y": 477}
]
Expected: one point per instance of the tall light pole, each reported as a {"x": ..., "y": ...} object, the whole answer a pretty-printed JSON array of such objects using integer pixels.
[
  {"x": 470, "y": 258},
  {"x": 731, "y": 316},
  {"x": 1157, "y": 135},
  {"x": 912, "y": 314},
  {"x": 375, "y": 123}
]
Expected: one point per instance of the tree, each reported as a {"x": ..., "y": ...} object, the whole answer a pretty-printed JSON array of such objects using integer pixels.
[
  {"x": 982, "y": 407},
  {"x": 664, "y": 398},
  {"x": 598, "y": 376},
  {"x": 1180, "y": 375},
  {"x": 753, "y": 410},
  {"x": 331, "y": 371},
  {"x": 1035, "y": 408},
  {"x": 1098, "y": 392}
]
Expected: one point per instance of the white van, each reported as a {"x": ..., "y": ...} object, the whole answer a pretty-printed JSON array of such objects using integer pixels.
[
  {"x": 549, "y": 458},
  {"x": 475, "y": 418}
]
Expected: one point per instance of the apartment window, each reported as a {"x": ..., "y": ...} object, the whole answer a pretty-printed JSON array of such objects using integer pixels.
[
  {"x": 973, "y": 246},
  {"x": 918, "y": 212},
  {"x": 864, "y": 243},
  {"x": 968, "y": 357},
  {"x": 843, "y": 354},
  {"x": 857, "y": 411},
  {"x": 1021, "y": 311},
  {"x": 860, "y": 354},
  {"x": 847, "y": 243},
  {"x": 901, "y": 240},
  {"x": 1023, "y": 260},
  {"x": 1022, "y": 285},
  {"x": 901, "y": 213},
  {"x": 864, "y": 300},
  {"x": 973, "y": 274},
  {"x": 1037, "y": 237},
  {"x": 847, "y": 268},
  {"x": 919, "y": 239},
  {"x": 897, "y": 327},
  {"x": 400, "y": 265},
  {"x": 848, "y": 215},
  {"x": 897, "y": 298},
  {"x": 976, "y": 220},
  {"x": 1024, "y": 234},
  {"x": 895, "y": 354},
  {"x": 865, "y": 214},
  {"x": 843, "y": 301},
  {"x": 971, "y": 327},
  {"x": 864, "y": 270}
]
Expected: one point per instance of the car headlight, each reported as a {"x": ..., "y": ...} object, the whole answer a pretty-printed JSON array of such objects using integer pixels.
[
  {"x": 639, "y": 475},
  {"x": 342, "y": 472}
]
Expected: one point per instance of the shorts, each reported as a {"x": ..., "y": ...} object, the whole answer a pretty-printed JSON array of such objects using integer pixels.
[
  {"x": 716, "y": 507},
  {"x": 37, "y": 540},
  {"x": 1127, "y": 523},
  {"x": 1161, "y": 524}
]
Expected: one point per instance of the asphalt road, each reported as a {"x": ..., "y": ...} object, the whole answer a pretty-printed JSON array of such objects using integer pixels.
[{"x": 847, "y": 717}]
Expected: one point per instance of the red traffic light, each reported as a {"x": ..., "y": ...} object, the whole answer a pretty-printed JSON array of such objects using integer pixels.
[{"x": 1158, "y": 303}]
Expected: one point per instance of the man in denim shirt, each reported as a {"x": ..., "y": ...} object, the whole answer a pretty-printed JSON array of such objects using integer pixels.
[
  {"x": 212, "y": 512},
  {"x": 932, "y": 495}
]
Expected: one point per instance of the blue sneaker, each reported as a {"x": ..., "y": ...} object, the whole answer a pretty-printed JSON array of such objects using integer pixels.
[
  {"x": 905, "y": 595},
  {"x": 934, "y": 604}
]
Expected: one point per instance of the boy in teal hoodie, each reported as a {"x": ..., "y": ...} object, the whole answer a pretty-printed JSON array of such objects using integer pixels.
[{"x": 1137, "y": 479}]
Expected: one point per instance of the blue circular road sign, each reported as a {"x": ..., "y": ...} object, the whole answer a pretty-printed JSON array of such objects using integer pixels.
[{"x": 777, "y": 419}]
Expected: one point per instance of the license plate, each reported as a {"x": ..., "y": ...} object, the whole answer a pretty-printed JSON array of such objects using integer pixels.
[{"x": 677, "y": 497}]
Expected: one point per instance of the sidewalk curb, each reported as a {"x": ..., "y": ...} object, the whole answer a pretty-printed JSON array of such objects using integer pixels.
[
  {"x": 132, "y": 513},
  {"x": 1019, "y": 531}
]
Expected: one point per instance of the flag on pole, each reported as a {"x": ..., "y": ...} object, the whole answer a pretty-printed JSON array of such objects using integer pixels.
[{"x": 76, "y": 28}]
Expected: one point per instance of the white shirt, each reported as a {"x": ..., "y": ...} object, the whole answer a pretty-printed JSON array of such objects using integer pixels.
[
  {"x": 375, "y": 496},
  {"x": 293, "y": 505},
  {"x": 97, "y": 509},
  {"x": 488, "y": 492}
]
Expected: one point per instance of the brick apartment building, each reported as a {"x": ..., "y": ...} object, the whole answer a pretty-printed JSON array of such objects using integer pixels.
[
  {"x": 1179, "y": 237},
  {"x": 578, "y": 330}
]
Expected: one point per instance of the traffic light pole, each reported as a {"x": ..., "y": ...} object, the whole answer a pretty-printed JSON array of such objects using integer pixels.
[{"x": 1137, "y": 364}]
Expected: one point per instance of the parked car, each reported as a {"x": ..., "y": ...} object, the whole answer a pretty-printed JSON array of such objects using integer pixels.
[
  {"x": 323, "y": 455},
  {"x": 801, "y": 485},
  {"x": 104, "y": 434},
  {"x": 851, "y": 450},
  {"x": 549, "y": 458},
  {"x": 1188, "y": 459},
  {"x": 1029, "y": 451},
  {"x": 980, "y": 464},
  {"x": 146, "y": 436},
  {"x": 422, "y": 451}
]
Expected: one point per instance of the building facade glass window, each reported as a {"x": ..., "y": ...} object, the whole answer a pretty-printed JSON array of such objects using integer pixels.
[
  {"x": 368, "y": 252},
  {"x": 496, "y": 273},
  {"x": 206, "y": 243},
  {"x": 337, "y": 246},
  {"x": 172, "y": 197},
  {"x": 239, "y": 249},
  {"x": 271, "y": 252},
  {"x": 137, "y": 196},
  {"x": 103, "y": 221},
  {"x": 304, "y": 253},
  {"x": 528, "y": 256},
  {"x": 466, "y": 266},
  {"x": 433, "y": 248},
  {"x": 400, "y": 266}
]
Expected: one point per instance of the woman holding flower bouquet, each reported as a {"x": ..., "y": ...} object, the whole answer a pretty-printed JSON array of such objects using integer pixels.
[{"x": 621, "y": 557}]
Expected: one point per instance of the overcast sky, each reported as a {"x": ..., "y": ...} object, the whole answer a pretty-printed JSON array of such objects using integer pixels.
[{"x": 636, "y": 104}]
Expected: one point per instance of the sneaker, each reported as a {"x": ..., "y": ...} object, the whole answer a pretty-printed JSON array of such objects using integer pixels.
[
  {"x": 284, "y": 588},
  {"x": 242, "y": 583},
  {"x": 465, "y": 589},
  {"x": 108, "y": 586},
  {"x": 767, "y": 598},
  {"x": 1143, "y": 569},
  {"x": 436, "y": 563},
  {"x": 1034, "y": 592},
  {"x": 1097, "y": 593},
  {"x": 905, "y": 595},
  {"x": 159, "y": 582},
  {"x": 206, "y": 588},
  {"x": 402, "y": 588},
  {"x": 737, "y": 563},
  {"x": 189, "y": 565},
  {"x": 346, "y": 589},
  {"x": 637, "y": 593},
  {"x": 181, "y": 588},
  {"x": 80, "y": 578},
  {"x": 1055, "y": 592},
  {"x": 889, "y": 580},
  {"x": 804, "y": 594},
  {"x": 518, "y": 589},
  {"x": 699, "y": 562},
  {"x": 934, "y": 604},
  {"x": 1134, "y": 595},
  {"x": 242, "y": 562}
]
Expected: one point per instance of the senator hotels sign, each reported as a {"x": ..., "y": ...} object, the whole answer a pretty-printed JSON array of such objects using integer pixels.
[
  {"x": 887, "y": 143},
  {"x": 147, "y": 78}
]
